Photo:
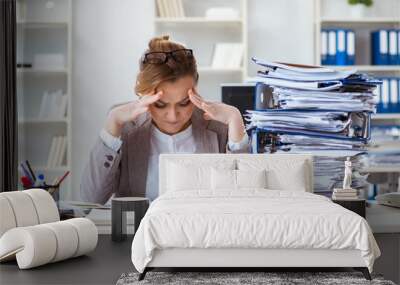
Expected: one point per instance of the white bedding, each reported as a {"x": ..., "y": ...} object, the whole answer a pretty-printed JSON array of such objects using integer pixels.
[{"x": 253, "y": 218}]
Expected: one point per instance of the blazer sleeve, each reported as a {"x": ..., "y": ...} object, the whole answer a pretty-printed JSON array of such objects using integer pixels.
[
  {"x": 101, "y": 175},
  {"x": 243, "y": 146}
]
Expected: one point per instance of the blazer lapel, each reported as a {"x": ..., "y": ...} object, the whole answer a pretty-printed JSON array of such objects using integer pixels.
[
  {"x": 205, "y": 139},
  {"x": 138, "y": 156}
]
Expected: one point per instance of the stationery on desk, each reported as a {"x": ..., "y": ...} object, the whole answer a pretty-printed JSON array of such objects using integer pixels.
[{"x": 29, "y": 179}]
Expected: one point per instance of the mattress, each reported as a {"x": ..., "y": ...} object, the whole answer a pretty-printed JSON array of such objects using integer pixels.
[{"x": 251, "y": 219}]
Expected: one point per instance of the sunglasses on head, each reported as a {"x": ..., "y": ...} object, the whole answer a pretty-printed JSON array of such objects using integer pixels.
[{"x": 159, "y": 57}]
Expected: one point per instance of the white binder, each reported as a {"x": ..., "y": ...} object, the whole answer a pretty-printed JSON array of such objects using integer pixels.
[
  {"x": 332, "y": 47},
  {"x": 385, "y": 92},
  {"x": 394, "y": 91}
]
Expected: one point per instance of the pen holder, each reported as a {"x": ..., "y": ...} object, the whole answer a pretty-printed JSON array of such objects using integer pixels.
[{"x": 53, "y": 190}]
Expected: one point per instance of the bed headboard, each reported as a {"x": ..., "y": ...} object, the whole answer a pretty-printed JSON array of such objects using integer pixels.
[{"x": 286, "y": 167}]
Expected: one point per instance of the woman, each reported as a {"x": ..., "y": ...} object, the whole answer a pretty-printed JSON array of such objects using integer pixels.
[{"x": 169, "y": 117}]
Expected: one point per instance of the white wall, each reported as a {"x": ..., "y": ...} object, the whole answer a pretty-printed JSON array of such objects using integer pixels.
[
  {"x": 281, "y": 31},
  {"x": 109, "y": 37}
]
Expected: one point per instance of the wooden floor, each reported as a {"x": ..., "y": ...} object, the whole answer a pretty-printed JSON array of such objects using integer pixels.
[
  {"x": 103, "y": 266},
  {"x": 110, "y": 259}
]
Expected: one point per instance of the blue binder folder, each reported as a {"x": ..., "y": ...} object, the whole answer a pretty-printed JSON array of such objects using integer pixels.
[
  {"x": 324, "y": 47},
  {"x": 392, "y": 44},
  {"x": 379, "y": 47},
  {"x": 341, "y": 56},
  {"x": 394, "y": 95},
  {"x": 398, "y": 46},
  {"x": 385, "y": 95},
  {"x": 350, "y": 47},
  {"x": 331, "y": 58}
]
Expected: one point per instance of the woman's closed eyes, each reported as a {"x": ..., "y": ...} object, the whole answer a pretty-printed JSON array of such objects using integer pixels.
[
  {"x": 160, "y": 104},
  {"x": 184, "y": 103}
]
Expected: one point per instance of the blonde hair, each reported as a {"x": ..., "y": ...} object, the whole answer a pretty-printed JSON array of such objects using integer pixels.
[{"x": 152, "y": 75}]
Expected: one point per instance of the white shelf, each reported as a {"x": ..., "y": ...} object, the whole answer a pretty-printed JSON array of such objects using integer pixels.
[
  {"x": 330, "y": 13},
  {"x": 366, "y": 67},
  {"x": 197, "y": 20},
  {"x": 41, "y": 72},
  {"x": 42, "y": 25},
  {"x": 388, "y": 116},
  {"x": 372, "y": 20},
  {"x": 201, "y": 34},
  {"x": 42, "y": 32},
  {"x": 44, "y": 121}
]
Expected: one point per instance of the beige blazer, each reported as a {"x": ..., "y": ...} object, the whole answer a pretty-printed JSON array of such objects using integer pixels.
[{"x": 125, "y": 172}]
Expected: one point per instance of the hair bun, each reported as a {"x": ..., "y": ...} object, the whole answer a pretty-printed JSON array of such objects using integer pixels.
[{"x": 156, "y": 42}]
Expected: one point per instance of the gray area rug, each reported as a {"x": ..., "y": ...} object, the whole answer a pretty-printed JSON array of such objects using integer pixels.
[{"x": 229, "y": 278}]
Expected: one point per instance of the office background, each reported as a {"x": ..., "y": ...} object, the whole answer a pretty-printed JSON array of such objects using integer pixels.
[{"x": 106, "y": 39}]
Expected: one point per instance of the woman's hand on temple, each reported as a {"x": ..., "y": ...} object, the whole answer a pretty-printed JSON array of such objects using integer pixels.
[
  {"x": 122, "y": 114},
  {"x": 221, "y": 112}
]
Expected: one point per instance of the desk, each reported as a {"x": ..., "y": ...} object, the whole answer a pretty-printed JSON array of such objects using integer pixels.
[
  {"x": 384, "y": 174},
  {"x": 385, "y": 223},
  {"x": 102, "y": 266}
]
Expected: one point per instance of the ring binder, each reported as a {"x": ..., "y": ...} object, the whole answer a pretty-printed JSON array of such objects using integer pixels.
[{"x": 295, "y": 113}]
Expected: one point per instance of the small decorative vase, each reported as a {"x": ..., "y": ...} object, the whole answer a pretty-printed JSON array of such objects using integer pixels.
[{"x": 358, "y": 11}]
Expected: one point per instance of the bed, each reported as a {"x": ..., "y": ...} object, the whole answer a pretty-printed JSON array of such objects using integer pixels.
[{"x": 247, "y": 210}]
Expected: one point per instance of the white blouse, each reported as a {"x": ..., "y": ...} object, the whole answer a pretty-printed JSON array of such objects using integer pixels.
[{"x": 160, "y": 142}]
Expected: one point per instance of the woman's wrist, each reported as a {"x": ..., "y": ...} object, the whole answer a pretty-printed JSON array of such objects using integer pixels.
[
  {"x": 236, "y": 128},
  {"x": 113, "y": 127}
]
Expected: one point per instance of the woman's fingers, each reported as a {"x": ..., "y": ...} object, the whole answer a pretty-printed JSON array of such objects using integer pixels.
[
  {"x": 195, "y": 99},
  {"x": 150, "y": 99},
  {"x": 206, "y": 116},
  {"x": 208, "y": 107},
  {"x": 139, "y": 111}
]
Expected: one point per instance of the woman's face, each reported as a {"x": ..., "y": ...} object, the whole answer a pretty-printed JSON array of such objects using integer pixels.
[{"x": 173, "y": 111}]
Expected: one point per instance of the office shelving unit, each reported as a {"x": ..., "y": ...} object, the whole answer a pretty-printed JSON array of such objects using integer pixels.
[
  {"x": 201, "y": 34},
  {"x": 43, "y": 27},
  {"x": 384, "y": 14}
]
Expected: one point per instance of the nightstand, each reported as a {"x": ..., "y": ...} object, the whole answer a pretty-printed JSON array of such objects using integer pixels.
[
  {"x": 357, "y": 206},
  {"x": 119, "y": 207}
]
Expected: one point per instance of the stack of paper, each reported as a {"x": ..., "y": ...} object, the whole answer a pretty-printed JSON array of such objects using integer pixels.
[
  {"x": 344, "y": 194},
  {"x": 316, "y": 100},
  {"x": 385, "y": 147},
  {"x": 333, "y": 122},
  {"x": 329, "y": 170},
  {"x": 329, "y": 166},
  {"x": 314, "y": 110}
]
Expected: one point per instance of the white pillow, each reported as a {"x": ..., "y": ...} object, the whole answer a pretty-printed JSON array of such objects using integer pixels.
[
  {"x": 251, "y": 178},
  {"x": 223, "y": 179},
  {"x": 184, "y": 175},
  {"x": 289, "y": 174},
  {"x": 226, "y": 179},
  {"x": 295, "y": 181}
]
